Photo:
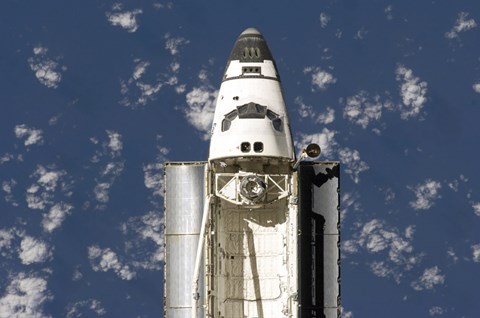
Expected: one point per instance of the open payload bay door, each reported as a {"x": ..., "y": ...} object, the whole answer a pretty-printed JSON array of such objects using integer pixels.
[
  {"x": 319, "y": 239},
  {"x": 185, "y": 187}
]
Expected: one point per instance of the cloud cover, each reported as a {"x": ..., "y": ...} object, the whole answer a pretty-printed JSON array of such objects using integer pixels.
[
  {"x": 462, "y": 24},
  {"x": 124, "y": 19},
  {"x": 393, "y": 250},
  {"x": 426, "y": 194},
  {"x": 25, "y": 297},
  {"x": 200, "y": 108},
  {"x": 33, "y": 251},
  {"x": 47, "y": 70},
  {"x": 31, "y": 136},
  {"x": 413, "y": 92}
]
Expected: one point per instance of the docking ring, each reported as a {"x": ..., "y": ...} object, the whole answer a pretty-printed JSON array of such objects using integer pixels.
[{"x": 252, "y": 188}]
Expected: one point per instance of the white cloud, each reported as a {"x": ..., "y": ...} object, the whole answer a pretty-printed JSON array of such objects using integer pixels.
[
  {"x": 180, "y": 89},
  {"x": 361, "y": 109},
  {"x": 203, "y": 75},
  {"x": 430, "y": 278},
  {"x": 349, "y": 200},
  {"x": 175, "y": 66},
  {"x": 126, "y": 19},
  {"x": 388, "y": 12},
  {"x": 321, "y": 79},
  {"x": 47, "y": 71},
  {"x": 354, "y": 165},
  {"x": 389, "y": 196},
  {"x": 55, "y": 216},
  {"x": 106, "y": 259},
  {"x": 201, "y": 106},
  {"x": 409, "y": 231},
  {"x": 462, "y": 24},
  {"x": 305, "y": 111},
  {"x": 364, "y": 109},
  {"x": 327, "y": 117},
  {"x": 361, "y": 34},
  {"x": 32, "y": 136},
  {"x": 139, "y": 89},
  {"x": 325, "y": 139},
  {"x": 346, "y": 314},
  {"x": 148, "y": 91},
  {"x": 101, "y": 192},
  {"x": 153, "y": 178},
  {"x": 158, "y": 6},
  {"x": 24, "y": 297},
  {"x": 110, "y": 170},
  {"x": 476, "y": 87},
  {"x": 476, "y": 253},
  {"x": 115, "y": 143},
  {"x": 36, "y": 199},
  {"x": 77, "y": 275},
  {"x": 452, "y": 255},
  {"x": 7, "y": 187},
  {"x": 436, "y": 311},
  {"x": 33, "y": 251},
  {"x": 140, "y": 69},
  {"x": 143, "y": 250},
  {"x": 453, "y": 185},
  {"x": 172, "y": 44},
  {"x": 6, "y": 237},
  {"x": 382, "y": 269},
  {"x": 324, "y": 19},
  {"x": 379, "y": 239},
  {"x": 80, "y": 308},
  {"x": 143, "y": 232},
  {"x": 48, "y": 181},
  {"x": 426, "y": 193},
  {"x": 40, "y": 50},
  {"x": 413, "y": 92},
  {"x": 6, "y": 158},
  {"x": 476, "y": 208},
  {"x": 54, "y": 120},
  {"x": 153, "y": 175},
  {"x": 349, "y": 247}
]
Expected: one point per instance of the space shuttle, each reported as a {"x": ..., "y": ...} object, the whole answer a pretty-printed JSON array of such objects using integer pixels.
[{"x": 254, "y": 230}]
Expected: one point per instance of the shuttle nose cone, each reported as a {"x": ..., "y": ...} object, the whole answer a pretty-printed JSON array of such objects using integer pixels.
[
  {"x": 250, "y": 47},
  {"x": 251, "y": 31}
]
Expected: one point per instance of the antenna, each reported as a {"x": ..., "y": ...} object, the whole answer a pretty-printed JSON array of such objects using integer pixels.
[{"x": 313, "y": 150}]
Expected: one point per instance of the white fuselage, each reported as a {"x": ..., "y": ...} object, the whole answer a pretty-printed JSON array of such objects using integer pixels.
[{"x": 250, "y": 118}]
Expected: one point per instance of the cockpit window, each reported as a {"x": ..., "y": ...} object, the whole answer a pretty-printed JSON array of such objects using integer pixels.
[
  {"x": 276, "y": 120},
  {"x": 271, "y": 115},
  {"x": 277, "y": 124},
  {"x": 227, "y": 122},
  {"x": 252, "y": 110},
  {"x": 231, "y": 115}
]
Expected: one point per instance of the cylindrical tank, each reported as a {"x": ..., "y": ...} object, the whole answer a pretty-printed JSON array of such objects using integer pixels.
[{"x": 184, "y": 200}]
